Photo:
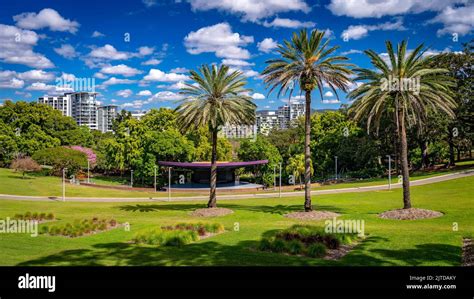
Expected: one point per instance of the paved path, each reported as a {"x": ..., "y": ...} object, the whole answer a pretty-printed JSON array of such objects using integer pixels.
[{"x": 420, "y": 182}]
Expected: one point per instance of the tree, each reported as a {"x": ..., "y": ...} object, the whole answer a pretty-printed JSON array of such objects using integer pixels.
[
  {"x": 219, "y": 97},
  {"x": 405, "y": 89},
  {"x": 296, "y": 167},
  {"x": 305, "y": 60},
  {"x": 260, "y": 149},
  {"x": 60, "y": 158},
  {"x": 25, "y": 164}
]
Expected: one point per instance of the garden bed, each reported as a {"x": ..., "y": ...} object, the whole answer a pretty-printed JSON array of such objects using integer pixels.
[
  {"x": 179, "y": 234},
  {"x": 211, "y": 212},
  {"x": 313, "y": 215},
  {"x": 468, "y": 252},
  {"x": 410, "y": 214},
  {"x": 310, "y": 241},
  {"x": 80, "y": 228},
  {"x": 39, "y": 217}
]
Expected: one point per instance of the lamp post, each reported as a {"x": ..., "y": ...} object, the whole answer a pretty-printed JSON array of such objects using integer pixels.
[
  {"x": 88, "y": 171},
  {"x": 154, "y": 179},
  {"x": 131, "y": 178},
  {"x": 274, "y": 178},
  {"x": 169, "y": 183},
  {"x": 335, "y": 157},
  {"x": 279, "y": 188},
  {"x": 64, "y": 184},
  {"x": 389, "y": 172}
]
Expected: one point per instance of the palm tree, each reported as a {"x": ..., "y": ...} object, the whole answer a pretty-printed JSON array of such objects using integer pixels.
[
  {"x": 405, "y": 89},
  {"x": 305, "y": 60},
  {"x": 217, "y": 97}
]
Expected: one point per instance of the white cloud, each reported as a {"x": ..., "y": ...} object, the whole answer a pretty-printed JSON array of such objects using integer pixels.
[
  {"x": 46, "y": 18},
  {"x": 149, "y": 3},
  {"x": 97, "y": 34},
  {"x": 152, "y": 61},
  {"x": 328, "y": 94},
  {"x": 144, "y": 51},
  {"x": 351, "y": 51},
  {"x": 124, "y": 93},
  {"x": 356, "y": 32},
  {"x": 220, "y": 40},
  {"x": 458, "y": 20},
  {"x": 160, "y": 76},
  {"x": 258, "y": 96},
  {"x": 251, "y": 10},
  {"x": 377, "y": 9},
  {"x": 66, "y": 50},
  {"x": 115, "y": 81},
  {"x": 288, "y": 23},
  {"x": 36, "y": 75},
  {"x": 109, "y": 52},
  {"x": 120, "y": 69},
  {"x": 13, "y": 83},
  {"x": 267, "y": 45},
  {"x": 333, "y": 101},
  {"x": 40, "y": 86},
  {"x": 16, "y": 47},
  {"x": 177, "y": 85},
  {"x": 179, "y": 70},
  {"x": 163, "y": 96},
  {"x": 236, "y": 62},
  {"x": 144, "y": 93},
  {"x": 100, "y": 76}
]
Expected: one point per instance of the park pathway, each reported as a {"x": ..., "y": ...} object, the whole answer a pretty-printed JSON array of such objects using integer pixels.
[{"x": 436, "y": 179}]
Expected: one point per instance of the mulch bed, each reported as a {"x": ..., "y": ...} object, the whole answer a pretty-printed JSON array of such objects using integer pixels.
[
  {"x": 410, "y": 214},
  {"x": 468, "y": 253},
  {"x": 313, "y": 215},
  {"x": 211, "y": 212},
  {"x": 339, "y": 253}
]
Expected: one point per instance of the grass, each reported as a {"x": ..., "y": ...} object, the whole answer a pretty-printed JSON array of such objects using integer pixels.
[
  {"x": 36, "y": 185},
  {"x": 429, "y": 242}
]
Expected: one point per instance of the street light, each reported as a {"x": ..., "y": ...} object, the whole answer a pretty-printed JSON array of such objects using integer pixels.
[
  {"x": 335, "y": 157},
  {"x": 169, "y": 183},
  {"x": 131, "y": 178},
  {"x": 154, "y": 180},
  {"x": 389, "y": 172},
  {"x": 64, "y": 184},
  {"x": 274, "y": 178},
  {"x": 88, "y": 171},
  {"x": 279, "y": 189}
]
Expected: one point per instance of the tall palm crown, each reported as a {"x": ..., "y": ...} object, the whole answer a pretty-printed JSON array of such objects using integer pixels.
[
  {"x": 217, "y": 97},
  {"x": 382, "y": 94},
  {"x": 306, "y": 60}
]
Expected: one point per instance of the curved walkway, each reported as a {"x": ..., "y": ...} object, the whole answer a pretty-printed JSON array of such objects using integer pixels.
[{"x": 436, "y": 179}]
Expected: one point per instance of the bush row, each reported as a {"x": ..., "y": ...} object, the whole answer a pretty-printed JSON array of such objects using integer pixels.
[
  {"x": 80, "y": 227},
  {"x": 34, "y": 216}
]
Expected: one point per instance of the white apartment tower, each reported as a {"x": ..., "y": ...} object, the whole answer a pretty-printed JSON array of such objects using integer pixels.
[
  {"x": 106, "y": 115},
  {"x": 61, "y": 103}
]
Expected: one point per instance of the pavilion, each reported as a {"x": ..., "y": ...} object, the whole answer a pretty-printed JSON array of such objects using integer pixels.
[{"x": 198, "y": 174}]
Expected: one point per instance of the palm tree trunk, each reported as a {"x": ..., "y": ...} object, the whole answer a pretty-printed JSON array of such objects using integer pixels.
[
  {"x": 212, "y": 198},
  {"x": 404, "y": 162},
  {"x": 307, "y": 154}
]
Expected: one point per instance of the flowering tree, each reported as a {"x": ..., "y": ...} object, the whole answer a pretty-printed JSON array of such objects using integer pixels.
[{"x": 91, "y": 156}]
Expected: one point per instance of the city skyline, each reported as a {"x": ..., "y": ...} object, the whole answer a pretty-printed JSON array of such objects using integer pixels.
[{"x": 140, "y": 57}]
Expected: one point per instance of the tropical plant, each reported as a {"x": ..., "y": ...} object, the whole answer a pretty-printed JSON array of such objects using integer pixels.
[
  {"x": 219, "y": 97},
  {"x": 306, "y": 60},
  {"x": 404, "y": 89}
]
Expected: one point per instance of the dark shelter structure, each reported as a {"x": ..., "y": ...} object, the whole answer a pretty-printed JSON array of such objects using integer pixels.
[{"x": 201, "y": 171}]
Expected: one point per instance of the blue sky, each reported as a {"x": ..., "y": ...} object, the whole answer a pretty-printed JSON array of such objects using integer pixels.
[{"x": 139, "y": 51}]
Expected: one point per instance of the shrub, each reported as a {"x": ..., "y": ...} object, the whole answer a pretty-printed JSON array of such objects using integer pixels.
[
  {"x": 316, "y": 250},
  {"x": 295, "y": 247},
  {"x": 25, "y": 164},
  {"x": 81, "y": 227},
  {"x": 33, "y": 216},
  {"x": 166, "y": 237},
  {"x": 61, "y": 157},
  {"x": 265, "y": 245},
  {"x": 278, "y": 245}
]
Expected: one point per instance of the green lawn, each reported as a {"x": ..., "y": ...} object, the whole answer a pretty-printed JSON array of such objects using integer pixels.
[
  {"x": 389, "y": 242},
  {"x": 36, "y": 185}
]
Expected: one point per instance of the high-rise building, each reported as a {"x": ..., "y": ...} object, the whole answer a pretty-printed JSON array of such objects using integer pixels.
[
  {"x": 239, "y": 131},
  {"x": 83, "y": 108},
  {"x": 61, "y": 103},
  {"x": 106, "y": 114},
  {"x": 267, "y": 120},
  {"x": 281, "y": 118}
]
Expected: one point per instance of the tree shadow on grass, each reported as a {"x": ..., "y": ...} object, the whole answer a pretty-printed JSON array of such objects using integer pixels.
[{"x": 270, "y": 209}]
